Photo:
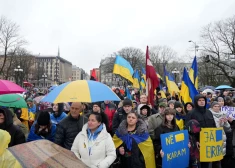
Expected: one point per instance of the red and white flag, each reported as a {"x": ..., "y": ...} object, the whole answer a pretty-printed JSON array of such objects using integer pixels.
[{"x": 152, "y": 81}]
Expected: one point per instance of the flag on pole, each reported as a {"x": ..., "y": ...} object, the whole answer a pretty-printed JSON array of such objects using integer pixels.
[
  {"x": 193, "y": 73},
  {"x": 152, "y": 81}
]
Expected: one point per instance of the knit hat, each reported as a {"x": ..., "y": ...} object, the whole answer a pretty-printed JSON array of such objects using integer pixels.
[
  {"x": 127, "y": 102},
  {"x": 98, "y": 104},
  {"x": 43, "y": 118},
  {"x": 29, "y": 100},
  {"x": 220, "y": 99},
  {"x": 171, "y": 102},
  {"x": 162, "y": 104},
  {"x": 178, "y": 104},
  {"x": 214, "y": 103}
]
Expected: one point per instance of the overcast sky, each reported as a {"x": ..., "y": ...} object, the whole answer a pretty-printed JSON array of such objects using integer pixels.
[{"x": 88, "y": 30}]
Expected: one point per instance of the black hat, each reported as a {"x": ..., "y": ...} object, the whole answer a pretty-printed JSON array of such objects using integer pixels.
[
  {"x": 43, "y": 118},
  {"x": 127, "y": 102},
  {"x": 97, "y": 103}
]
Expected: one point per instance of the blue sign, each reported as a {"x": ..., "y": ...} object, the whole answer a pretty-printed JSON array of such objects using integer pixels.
[{"x": 175, "y": 148}]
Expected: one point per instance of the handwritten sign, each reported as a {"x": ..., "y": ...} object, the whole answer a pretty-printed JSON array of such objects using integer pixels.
[
  {"x": 175, "y": 148},
  {"x": 211, "y": 144},
  {"x": 229, "y": 111}
]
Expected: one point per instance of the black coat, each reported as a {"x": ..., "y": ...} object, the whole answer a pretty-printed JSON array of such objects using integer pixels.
[
  {"x": 68, "y": 129},
  {"x": 119, "y": 116},
  {"x": 201, "y": 114},
  {"x": 17, "y": 136}
]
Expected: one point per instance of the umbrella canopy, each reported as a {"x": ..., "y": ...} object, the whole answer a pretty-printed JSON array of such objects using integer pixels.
[
  {"x": 52, "y": 87},
  {"x": 222, "y": 87},
  {"x": 7, "y": 87},
  {"x": 207, "y": 87},
  {"x": 12, "y": 100},
  {"x": 81, "y": 91},
  {"x": 209, "y": 90},
  {"x": 38, "y": 99}
]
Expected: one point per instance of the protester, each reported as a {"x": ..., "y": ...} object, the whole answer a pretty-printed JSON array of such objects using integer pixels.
[
  {"x": 144, "y": 113},
  {"x": 7, "y": 160},
  {"x": 94, "y": 145},
  {"x": 188, "y": 107},
  {"x": 58, "y": 113},
  {"x": 69, "y": 127},
  {"x": 171, "y": 104},
  {"x": 134, "y": 146},
  {"x": 43, "y": 128},
  {"x": 121, "y": 114},
  {"x": 6, "y": 123},
  {"x": 109, "y": 109},
  {"x": 168, "y": 125},
  {"x": 180, "y": 115}
]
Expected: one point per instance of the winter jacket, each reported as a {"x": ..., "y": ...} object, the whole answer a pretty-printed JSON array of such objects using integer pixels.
[
  {"x": 144, "y": 117},
  {"x": 33, "y": 137},
  {"x": 119, "y": 116},
  {"x": 136, "y": 159},
  {"x": 109, "y": 110},
  {"x": 17, "y": 136},
  {"x": 56, "y": 120},
  {"x": 7, "y": 160},
  {"x": 97, "y": 153},
  {"x": 226, "y": 127},
  {"x": 154, "y": 121},
  {"x": 68, "y": 129},
  {"x": 201, "y": 114},
  {"x": 23, "y": 128}
]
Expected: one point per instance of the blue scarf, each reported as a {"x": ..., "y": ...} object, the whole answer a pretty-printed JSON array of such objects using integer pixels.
[{"x": 92, "y": 137}]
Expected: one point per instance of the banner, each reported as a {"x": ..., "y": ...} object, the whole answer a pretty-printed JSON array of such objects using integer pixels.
[
  {"x": 229, "y": 111},
  {"x": 211, "y": 144},
  {"x": 175, "y": 148}
]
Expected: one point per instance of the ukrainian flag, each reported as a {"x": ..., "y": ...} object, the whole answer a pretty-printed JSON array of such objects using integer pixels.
[
  {"x": 143, "y": 73},
  {"x": 193, "y": 73},
  {"x": 170, "y": 82},
  {"x": 136, "y": 78},
  {"x": 159, "y": 76},
  {"x": 142, "y": 83},
  {"x": 123, "y": 68},
  {"x": 144, "y": 142},
  {"x": 128, "y": 94},
  {"x": 188, "y": 90}
]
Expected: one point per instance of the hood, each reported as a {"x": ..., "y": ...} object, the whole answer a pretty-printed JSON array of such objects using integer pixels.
[
  {"x": 8, "y": 117},
  {"x": 144, "y": 106},
  {"x": 141, "y": 127},
  {"x": 185, "y": 109},
  {"x": 196, "y": 98},
  {"x": 5, "y": 140}
]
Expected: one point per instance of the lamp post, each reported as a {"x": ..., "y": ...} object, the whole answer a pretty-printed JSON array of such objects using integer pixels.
[
  {"x": 175, "y": 72},
  {"x": 195, "y": 46},
  {"x": 44, "y": 76},
  {"x": 18, "y": 70}
]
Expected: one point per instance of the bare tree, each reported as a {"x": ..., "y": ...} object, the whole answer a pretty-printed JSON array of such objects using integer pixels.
[
  {"x": 135, "y": 56},
  {"x": 9, "y": 39},
  {"x": 218, "y": 41}
]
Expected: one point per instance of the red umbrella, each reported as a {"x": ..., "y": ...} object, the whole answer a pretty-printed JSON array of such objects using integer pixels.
[
  {"x": 27, "y": 84},
  {"x": 7, "y": 87}
]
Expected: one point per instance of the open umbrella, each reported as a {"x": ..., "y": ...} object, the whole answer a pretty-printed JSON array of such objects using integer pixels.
[
  {"x": 208, "y": 90},
  {"x": 12, "y": 100},
  {"x": 86, "y": 91},
  {"x": 7, "y": 87},
  {"x": 52, "y": 87},
  {"x": 38, "y": 99},
  {"x": 223, "y": 87},
  {"x": 207, "y": 87}
]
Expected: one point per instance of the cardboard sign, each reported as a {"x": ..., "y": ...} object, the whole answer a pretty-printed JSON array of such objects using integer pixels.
[
  {"x": 175, "y": 148},
  {"x": 229, "y": 111},
  {"x": 211, "y": 144}
]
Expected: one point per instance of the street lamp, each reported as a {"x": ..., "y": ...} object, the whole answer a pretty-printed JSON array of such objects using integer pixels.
[
  {"x": 195, "y": 46},
  {"x": 18, "y": 70},
  {"x": 44, "y": 76},
  {"x": 175, "y": 72}
]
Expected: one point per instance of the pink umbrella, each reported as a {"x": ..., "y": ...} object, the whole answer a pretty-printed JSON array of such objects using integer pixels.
[{"x": 7, "y": 87}]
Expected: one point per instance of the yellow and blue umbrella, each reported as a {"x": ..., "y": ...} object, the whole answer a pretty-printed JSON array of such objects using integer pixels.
[{"x": 81, "y": 91}]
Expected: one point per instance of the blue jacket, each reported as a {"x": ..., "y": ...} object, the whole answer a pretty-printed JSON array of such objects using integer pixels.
[
  {"x": 32, "y": 136},
  {"x": 56, "y": 120},
  {"x": 33, "y": 109}
]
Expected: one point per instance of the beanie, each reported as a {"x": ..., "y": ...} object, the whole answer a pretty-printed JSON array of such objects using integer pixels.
[
  {"x": 214, "y": 103},
  {"x": 43, "y": 118},
  {"x": 127, "y": 102},
  {"x": 29, "y": 100},
  {"x": 98, "y": 104},
  {"x": 162, "y": 104},
  {"x": 178, "y": 104},
  {"x": 171, "y": 102}
]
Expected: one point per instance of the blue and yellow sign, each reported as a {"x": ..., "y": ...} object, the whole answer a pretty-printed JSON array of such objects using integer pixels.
[
  {"x": 211, "y": 144},
  {"x": 175, "y": 148}
]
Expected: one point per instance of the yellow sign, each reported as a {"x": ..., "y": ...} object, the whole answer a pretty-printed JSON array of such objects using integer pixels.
[{"x": 211, "y": 144}]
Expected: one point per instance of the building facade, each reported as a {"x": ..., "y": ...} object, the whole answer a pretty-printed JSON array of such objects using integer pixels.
[{"x": 76, "y": 73}]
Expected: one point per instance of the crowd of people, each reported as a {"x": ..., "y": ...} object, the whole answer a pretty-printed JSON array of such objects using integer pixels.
[{"x": 112, "y": 134}]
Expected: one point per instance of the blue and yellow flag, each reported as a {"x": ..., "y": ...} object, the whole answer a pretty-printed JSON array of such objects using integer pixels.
[
  {"x": 123, "y": 68},
  {"x": 170, "y": 82},
  {"x": 142, "y": 83},
  {"x": 143, "y": 73},
  {"x": 136, "y": 77},
  {"x": 193, "y": 73},
  {"x": 188, "y": 90},
  {"x": 128, "y": 94},
  {"x": 159, "y": 76},
  {"x": 144, "y": 142}
]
